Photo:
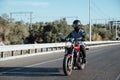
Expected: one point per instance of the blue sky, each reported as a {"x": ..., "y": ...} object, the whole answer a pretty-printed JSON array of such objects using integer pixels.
[{"x": 49, "y": 10}]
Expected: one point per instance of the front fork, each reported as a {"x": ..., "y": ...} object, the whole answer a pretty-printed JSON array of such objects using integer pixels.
[{"x": 70, "y": 54}]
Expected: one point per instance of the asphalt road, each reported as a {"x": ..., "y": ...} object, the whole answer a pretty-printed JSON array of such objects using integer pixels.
[{"x": 102, "y": 64}]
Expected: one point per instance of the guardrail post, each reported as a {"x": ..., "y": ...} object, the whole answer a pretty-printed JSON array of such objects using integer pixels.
[
  {"x": 46, "y": 49},
  {"x": 41, "y": 49},
  {"x": 36, "y": 50},
  {"x": 29, "y": 51},
  {"x": 52, "y": 49},
  {"x": 12, "y": 54},
  {"x": 21, "y": 52},
  {"x": 56, "y": 48},
  {"x": 2, "y": 54}
]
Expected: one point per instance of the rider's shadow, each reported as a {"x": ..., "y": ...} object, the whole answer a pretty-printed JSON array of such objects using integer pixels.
[{"x": 32, "y": 71}]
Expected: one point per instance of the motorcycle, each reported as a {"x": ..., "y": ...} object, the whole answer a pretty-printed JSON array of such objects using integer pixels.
[{"x": 73, "y": 56}]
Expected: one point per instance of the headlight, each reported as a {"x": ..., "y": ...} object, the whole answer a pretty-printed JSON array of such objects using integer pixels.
[{"x": 68, "y": 44}]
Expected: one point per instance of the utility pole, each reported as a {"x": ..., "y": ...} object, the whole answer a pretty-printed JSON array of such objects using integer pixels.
[
  {"x": 90, "y": 31},
  {"x": 116, "y": 29}
]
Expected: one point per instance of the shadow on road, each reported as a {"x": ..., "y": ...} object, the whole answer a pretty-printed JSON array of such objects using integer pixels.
[{"x": 30, "y": 71}]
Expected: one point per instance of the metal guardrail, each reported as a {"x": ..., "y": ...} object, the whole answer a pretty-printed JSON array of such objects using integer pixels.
[{"x": 15, "y": 50}]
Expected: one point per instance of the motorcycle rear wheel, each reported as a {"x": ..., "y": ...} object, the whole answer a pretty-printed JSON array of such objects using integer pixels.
[{"x": 79, "y": 63}]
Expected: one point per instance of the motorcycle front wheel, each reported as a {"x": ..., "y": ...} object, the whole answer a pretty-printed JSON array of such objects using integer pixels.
[{"x": 67, "y": 65}]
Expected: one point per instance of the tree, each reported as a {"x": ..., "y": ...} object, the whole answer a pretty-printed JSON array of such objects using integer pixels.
[
  {"x": 18, "y": 32},
  {"x": 4, "y": 30}
]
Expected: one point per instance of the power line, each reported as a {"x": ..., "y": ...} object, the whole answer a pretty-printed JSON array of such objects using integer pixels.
[
  {"x": 30, "y": 15},
  {"x": 52, "y": 18},
  {"x": 55, "y": 17},
  {"x": 96, "y": 14},
  {"x": 98, "y": 9}
]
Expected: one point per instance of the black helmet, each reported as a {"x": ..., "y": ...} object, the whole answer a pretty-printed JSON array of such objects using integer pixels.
[{"x": 76, "y": 24}]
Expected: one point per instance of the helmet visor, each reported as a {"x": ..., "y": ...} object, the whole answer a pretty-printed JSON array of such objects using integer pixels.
[{"x": 76, "y": 25}]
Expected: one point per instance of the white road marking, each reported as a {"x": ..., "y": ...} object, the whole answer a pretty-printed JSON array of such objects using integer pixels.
[{"x": 44, "y": 62}]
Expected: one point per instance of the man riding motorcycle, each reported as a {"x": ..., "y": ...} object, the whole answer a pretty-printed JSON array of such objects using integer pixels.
[{"x": 78, "y": 32}]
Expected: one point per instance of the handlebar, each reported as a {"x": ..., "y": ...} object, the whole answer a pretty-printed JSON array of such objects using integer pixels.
[{"x": 73, "y": 39}]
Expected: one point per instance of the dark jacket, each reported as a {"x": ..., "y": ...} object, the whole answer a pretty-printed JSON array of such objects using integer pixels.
[{"x": 77, "y": 34}]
